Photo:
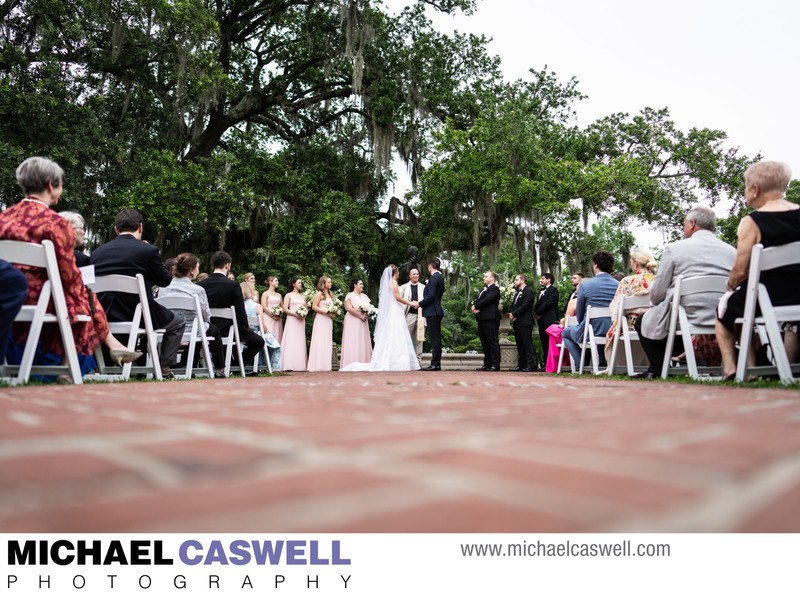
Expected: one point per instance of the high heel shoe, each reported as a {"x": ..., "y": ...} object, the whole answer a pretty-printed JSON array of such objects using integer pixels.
[{"x": 122, "y": 356}]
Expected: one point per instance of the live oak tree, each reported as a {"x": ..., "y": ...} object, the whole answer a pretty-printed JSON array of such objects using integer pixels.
[
  {"x": 228, "y": 123},
  {"x": 522, "y": 167}
]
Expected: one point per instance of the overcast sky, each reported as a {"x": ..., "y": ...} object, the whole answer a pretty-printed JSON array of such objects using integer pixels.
[{"x": 723, "y": 65}]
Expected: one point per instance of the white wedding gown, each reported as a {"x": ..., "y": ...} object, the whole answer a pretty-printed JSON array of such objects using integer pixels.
[{"x": 393, "y": 350}]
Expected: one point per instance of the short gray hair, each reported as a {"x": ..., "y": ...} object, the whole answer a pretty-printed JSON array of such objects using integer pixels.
[
  {"x": 704, "y": 217},
  {"x": 34, "y": 173},
  {"x": 770, "y": 176},
  {"x": 75, "y": 219}
]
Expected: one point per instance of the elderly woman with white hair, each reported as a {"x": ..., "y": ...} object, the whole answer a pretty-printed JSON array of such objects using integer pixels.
[
  {"x": 775, "y": 221},
  {"x": 33, "y": 220},
  {"x": 79, "y": 226},
  {"x": 643, "y": 266}
]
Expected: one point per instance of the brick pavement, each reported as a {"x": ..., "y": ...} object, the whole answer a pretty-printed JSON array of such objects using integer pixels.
[{"x": 394, "y": 452}]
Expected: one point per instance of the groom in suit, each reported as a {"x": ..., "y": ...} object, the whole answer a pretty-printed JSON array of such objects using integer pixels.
[
  {"x": 487, "y": 312},
  {"x": 433, "y": 313}
]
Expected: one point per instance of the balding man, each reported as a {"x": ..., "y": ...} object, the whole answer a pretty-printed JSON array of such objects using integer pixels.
[{"x": 701, "y": 253}]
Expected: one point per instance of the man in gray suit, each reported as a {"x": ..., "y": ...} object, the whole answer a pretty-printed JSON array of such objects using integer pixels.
[
  {"x": 597, "y": 291},
  {"x": 700, "y": 254}
]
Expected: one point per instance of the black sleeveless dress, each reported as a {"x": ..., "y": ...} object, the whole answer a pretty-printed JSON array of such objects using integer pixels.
[{"x": 783, "y": 284}]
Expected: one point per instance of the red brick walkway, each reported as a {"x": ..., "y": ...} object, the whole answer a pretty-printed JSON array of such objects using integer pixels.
[{"x": 383, "y": 452}]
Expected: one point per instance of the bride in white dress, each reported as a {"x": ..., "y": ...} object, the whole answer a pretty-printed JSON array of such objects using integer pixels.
[{"x": 393, "y": 350}]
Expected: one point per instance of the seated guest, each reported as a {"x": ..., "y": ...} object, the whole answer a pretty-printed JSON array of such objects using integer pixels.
[
  {"x": 256, "y": 310},
  {"x": 252, "y": 307},
  {"x": 128, "y": 255},
  {"x": 224, "y": 292},
  {"x": 554, "y": 332},
  {"x": 597, "y": 291},
  {"x": 79, "y": 226},
  {"x": 701, "y": 253},
  {"x": 33, "y": 220},
  {"x": 644, "y": 268},
  {"x": 185, "y": 269},
  {"x": 575, "y": 279},
  {"x": 775, "y": 221},
  {"x": 12, "y": 297}
]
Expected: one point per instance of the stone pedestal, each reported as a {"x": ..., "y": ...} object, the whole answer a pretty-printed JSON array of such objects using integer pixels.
[{"x": 508, "y": 350}]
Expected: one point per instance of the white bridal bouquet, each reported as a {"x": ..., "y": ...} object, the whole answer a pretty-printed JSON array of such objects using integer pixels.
[
  {"x": 276, "y": 311},
  {"x": 301, "y": 311},
  {"x": 369, "y": 309}
]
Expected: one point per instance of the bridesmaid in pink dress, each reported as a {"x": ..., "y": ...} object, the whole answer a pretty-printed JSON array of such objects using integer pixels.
[
  {"x": 294, "y": 333},
  {"x": 269, "y": 299},
  {"x": 321, "y": 351},
  {"x": 356, "y": 342}
]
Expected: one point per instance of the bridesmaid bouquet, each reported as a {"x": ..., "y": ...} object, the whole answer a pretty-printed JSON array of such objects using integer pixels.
[
  {"x": 335, "y": 308},
  {"x": 369, "y": 309},
  {"x": 302, "y": 311},
  {"x": 276, "y": 311}
]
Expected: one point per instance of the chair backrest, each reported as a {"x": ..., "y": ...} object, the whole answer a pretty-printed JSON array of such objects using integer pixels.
[
  {"x": 712, "y": 283},
  {"x": 40, "y": 256},
  {"x": 593, "y": 313},
  {"x": 184, "y": 302},
  {"x": 634, "y": 302},
  {"x": 774, "y": 257},
  {"x": 25, "y": 253},
  {"x": 570, "y": 321},
  {"x": 44, "y": 256},
  {"x": 131, "y": 285},
  {"x": 227, "y": 313},
  {"x": 597, "y": 312},
  {"x": 763, "y": 259}
]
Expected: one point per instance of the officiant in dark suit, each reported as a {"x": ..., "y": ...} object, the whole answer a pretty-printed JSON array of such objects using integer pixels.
[
  {"x": 546, "y": 311},
  {"x": 521, "y": 315},
  {"x": 487, "y": 312}
]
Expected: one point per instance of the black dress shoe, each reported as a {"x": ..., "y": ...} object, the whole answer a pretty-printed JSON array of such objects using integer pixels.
[
  {"x": 431, "y": 368},
  {"x": 492, "y": 369},
  {"x": 644, "y": 375},
  {"x": 528, "y": 369},
  {"x": 518, "y": 368},
  {"x": 540, "y": 370}
]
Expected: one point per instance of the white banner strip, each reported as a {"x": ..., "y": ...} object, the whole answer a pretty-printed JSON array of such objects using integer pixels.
[{"x": 400, "y": 563}]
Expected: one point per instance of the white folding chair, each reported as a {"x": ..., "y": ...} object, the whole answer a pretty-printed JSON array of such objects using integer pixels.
[
  {"x": 42, "y": 256},
  {"x": 628, "y": 336},
  {"x": 772, "y": 316},
  {"x": 568, "y": 322},
  {"x": 132, "y": 285},
  {"x": 590, "y": 341},
  {"x": 255, "y": 323},
  {"x": 192, "y": 336},
  {"x": 679, "y": 321},
  {"x": 232, "y": 342}
]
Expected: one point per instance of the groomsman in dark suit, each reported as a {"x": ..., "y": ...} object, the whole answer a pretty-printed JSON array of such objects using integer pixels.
[
  {"x": 128, "y": 255},
  {"x": 521, "y": 315},
  {"x": 433, "y": 313},
  {"x": 546, "y": 311},
  {"x": 487, "y": 312}
]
